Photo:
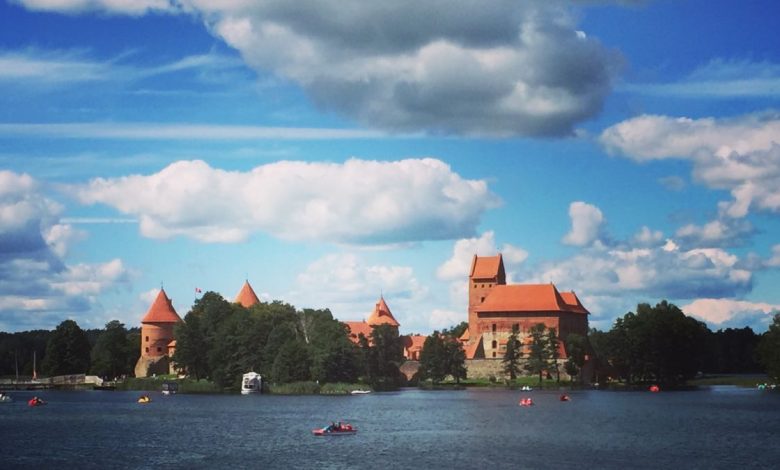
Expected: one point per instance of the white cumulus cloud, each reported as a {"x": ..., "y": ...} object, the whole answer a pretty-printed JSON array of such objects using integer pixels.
[
  {"x": 358, "y": 202},
  {"x": 457, "y": 266},
  {"x": 586, "y": 224},
  {"x": 722, "y": 312}
]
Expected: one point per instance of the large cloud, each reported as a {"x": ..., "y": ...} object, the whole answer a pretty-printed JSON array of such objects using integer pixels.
[
  {"x": 358, "y": 201},
  {"x": 350, "y": 286},
  {"x": 36, "y": 286},
  {"x": 723, "y": 313},
  {"x": 498, "y": 68},
  {"x": 741, "y": 155}
]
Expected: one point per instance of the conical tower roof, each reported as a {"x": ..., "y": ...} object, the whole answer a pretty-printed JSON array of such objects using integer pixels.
[
  {"x": 382, "y": 315},
  {"x": 247, "y": 296},
  {"x": 161, "y": 311}
]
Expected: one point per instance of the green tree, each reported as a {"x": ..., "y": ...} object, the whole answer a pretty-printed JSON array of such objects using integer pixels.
[
  {"x": 513, "y": 354},
  {"x": 554, "y": 352},
  {"x": 538, "y": 351},
  {"x": 292, "y": 363},
  {"x": 768, "y": 350},
  {"x": 191, "y": 352},
  {"x": 456, "y": 359},
  {"x": 111, "y": 353},
  {"x": 576, "y": 348},
  {"x": 67, "y": 351},
  {"x": 433, "y": 360},
  {"x": 386, "y": 355},
  {"x": 456, "y": 331}
]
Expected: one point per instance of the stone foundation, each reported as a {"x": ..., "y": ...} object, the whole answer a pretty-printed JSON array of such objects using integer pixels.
[{"x": 148, "y": 366}]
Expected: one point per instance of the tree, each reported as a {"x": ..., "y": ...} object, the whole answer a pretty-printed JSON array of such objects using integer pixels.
[
  {"x": 67, "y": 351},
  {"x": 191, "y": 350},
  {"x": 386, "y": 355},
  {"x": 455, "y": 359},
  {"x": 576, "y": 347},
  {"x": 110, "y": 355},
  {"x": 538, "y": 352},
  {"x": 513, "y": 354},
  {"x": 456, "y": 331},
  {"x": 292, "y": 363},
  {"x": 554, "y": 352},
  {"x": 768, "y": 350},
  {"x": 433, "y": 360}
]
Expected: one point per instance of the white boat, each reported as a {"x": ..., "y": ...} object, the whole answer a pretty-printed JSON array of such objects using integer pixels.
[
  {"x": 5, "y": 398},
  {"x": 252, "y": 383},
  {"x": 526, "y": 388},
  {"x": 360, "y": 392}
]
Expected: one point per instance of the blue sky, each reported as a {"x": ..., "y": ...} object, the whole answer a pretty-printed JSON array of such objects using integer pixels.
[{"x": 331, "y": 151}]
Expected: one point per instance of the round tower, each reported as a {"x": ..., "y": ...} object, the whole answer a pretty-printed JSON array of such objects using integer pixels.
[{"x": 156, "y": 334}]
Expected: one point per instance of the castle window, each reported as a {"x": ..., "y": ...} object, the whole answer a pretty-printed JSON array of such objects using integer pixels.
[
  {"x": 475, "y": 286},
  {"x": 159, "y": 349},
  {"x": 482, "y": 300},
  {"x": 494, "y": 327},
  {"x": 517, "y": 326},
  {"x": 147, "y": 339},
  {"x": 494, "y": 344},
  {"x": 147, "y": 349},
  {"x": 494, "y": 354}
]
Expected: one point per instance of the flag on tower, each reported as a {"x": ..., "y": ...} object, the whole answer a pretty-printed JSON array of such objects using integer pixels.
[{"x": 197, "y": 290}]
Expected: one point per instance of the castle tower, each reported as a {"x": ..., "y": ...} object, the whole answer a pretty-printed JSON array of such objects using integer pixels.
[
  {"x": 156, "y": 334},
  {"x": 382, "y": 315},
  {"x": 246, "y": 297},
  {"x": 486, "y": 272}
]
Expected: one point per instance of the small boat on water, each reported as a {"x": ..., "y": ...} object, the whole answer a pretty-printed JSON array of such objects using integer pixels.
[
  {"x": 252, "y": 382},
  {"x": 170, "y": 388},
  {"x": 35, "y": 401},
  {"x": 5, "y": 398},
  {"x": 526, "y": 388},
  {"x": 144, "y": 399},
  {"x": 360, "y": 392},
  {"x": 526, "y": 402},
  {"x": 565, "y": 397},
  {"x": 335, "y": 429},
  {"x": 655, "y": 388}
]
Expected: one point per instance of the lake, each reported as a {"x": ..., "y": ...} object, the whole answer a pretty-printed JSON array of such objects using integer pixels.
[{"x": 717, "y": 427}]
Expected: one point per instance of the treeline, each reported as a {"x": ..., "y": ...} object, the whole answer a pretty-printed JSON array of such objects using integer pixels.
[
  {"x": 110, "y": 352},
  {"x": 662, "y": 344},
  {"x": 220, "y": 341}
]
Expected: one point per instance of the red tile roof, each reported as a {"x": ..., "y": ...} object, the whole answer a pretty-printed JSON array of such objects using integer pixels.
[
  {"x": 413, "y": 342},
  {"x": 528, "y": 298},
  {"x": 471, "y": 349},
  {"x": 465, "y": 336},
  {"x": 382, "y": 315},
  {"x": 573, "y": 302},
  {"x": 161, "y": 311},
  {"x": 486, "y": 267},
  {"x": 358, "y": 327},
  {"x": 247, "y": 296}
]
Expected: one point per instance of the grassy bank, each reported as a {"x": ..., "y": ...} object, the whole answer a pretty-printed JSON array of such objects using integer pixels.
[
  {"x": 313, "y": 388},
  {"x": 154, "y": 384}
]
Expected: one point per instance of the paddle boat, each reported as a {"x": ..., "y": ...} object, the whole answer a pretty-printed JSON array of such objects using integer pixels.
[
  {"x": 5, "y": 398},
  {"x": 655, "y": 388},
  {"x": 335, "y": 429},
  {"x": 35, "y": 401},
  {"x": 526, "y": 402},
  {"x": 144, "y": 399},
  {"x": 360, "y": 392},
  {"x": 565, "y": 397},
  {"x": 526, "y": 388}
]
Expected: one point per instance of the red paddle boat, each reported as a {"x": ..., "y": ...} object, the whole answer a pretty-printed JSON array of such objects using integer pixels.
[{"x": 335, "y": 429}]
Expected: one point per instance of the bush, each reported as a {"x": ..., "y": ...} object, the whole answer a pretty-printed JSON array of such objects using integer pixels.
[{"x": 295, "y": 388}]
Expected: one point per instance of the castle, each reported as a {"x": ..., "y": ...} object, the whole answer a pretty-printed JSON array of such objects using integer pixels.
[{"x": 496, "y": 307}]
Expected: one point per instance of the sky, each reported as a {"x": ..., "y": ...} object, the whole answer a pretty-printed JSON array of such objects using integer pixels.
[{"x": 331, "y": 152}]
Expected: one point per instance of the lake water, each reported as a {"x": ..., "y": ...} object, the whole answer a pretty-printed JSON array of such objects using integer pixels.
[{"x": 718, "y": 427}]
